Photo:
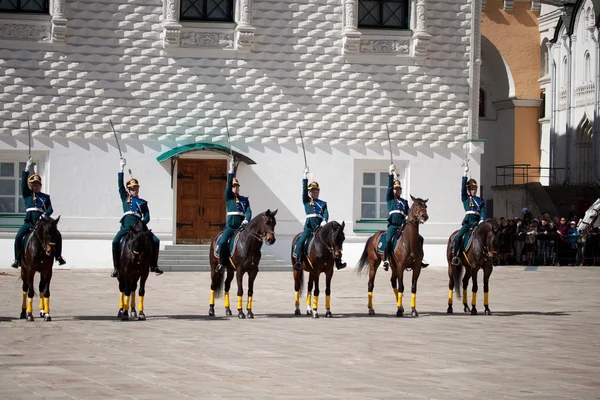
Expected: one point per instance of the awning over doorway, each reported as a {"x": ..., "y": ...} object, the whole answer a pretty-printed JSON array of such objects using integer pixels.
[{"x": 186, "y": 148}]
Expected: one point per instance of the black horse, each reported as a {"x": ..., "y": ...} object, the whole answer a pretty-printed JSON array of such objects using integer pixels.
[
  {"x": 244, "y": 259},
  {"x": 479, "y": 255},
  {"x": 321, "y": 255},
  {"x": 39, "y": 257},
  {"x": 136, "y": 257}
]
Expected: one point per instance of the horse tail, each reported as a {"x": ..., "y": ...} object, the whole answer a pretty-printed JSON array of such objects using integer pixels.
[
  {"x": 457, "y": 275},
  {"x": 219, "y": 281},
  {"x": 364, "y": 258}
]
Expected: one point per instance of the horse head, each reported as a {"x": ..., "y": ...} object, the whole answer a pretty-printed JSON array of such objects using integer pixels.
[
  {"x": 418, "y": 210},
  {"x": 48, "y": 233},
  {"x": 487, "y": 234},
  {"x": 590, "y": 219},
  {"x": 264, "y": 226},
  {"x": 333, "y": 237},
  {"x": 140, "y": 242}
]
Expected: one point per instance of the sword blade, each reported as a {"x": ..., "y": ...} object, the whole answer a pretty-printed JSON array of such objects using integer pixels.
[
  {"x": 303, "y": 150},
  {"x": 29, "y": 132},
  {"x": 390, "y": 143},
  {"x": 228, "y": 138},
  {"x": 116, "y": 138}
]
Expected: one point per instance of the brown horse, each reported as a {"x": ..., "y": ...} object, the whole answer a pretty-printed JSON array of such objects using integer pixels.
[
  {"x": 321, "y": 255},
  {"x": 136, "y": 257},
  {"x": 245, "y": 258},
  {"x": 407, "y": 255},
  {"x": 39, "y": 257},
  {"x": 480, "y": 254}
]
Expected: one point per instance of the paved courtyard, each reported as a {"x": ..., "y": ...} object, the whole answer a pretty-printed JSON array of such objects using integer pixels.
[{"x": 541, "y": 343}]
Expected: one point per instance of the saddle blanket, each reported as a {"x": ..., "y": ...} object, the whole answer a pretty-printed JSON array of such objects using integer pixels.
[
  {"x": 382, "y": 242},
  {"x": 232, "y": 244},
  {"x": 307, "y": 245}
]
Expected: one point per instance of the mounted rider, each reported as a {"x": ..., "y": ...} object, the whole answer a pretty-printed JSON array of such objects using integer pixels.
[
  {"x": 398, "y": 210},
  {"x": 475, "y": 213},
  {"x": 317, "y": 216},
  {"x": 37, "y": 207},
  {"x": 135, "y": 209},
  {"x": 239, "y": 214}
]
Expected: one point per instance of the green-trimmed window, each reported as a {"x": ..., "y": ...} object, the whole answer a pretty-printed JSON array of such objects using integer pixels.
[
  {"x": 207, "y": 10},
  {"x": 372, "y": 197},
  {"x": 386, "y": 14},
  {"x": 11, "y": 201}
]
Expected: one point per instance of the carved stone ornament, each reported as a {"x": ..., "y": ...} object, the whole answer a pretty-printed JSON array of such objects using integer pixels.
[
  {"x": 206, "y": 40},
  {"x": 384, "y": 46},
  {"x": 243, "y": 38},
  {"x": 24, "y": 32}
]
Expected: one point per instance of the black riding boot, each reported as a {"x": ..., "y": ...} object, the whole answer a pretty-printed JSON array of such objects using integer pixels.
[
  {"x": 154, "y": 265},
  {"x": 219, "y": 268},
  {"x": 59, "y": 257},
  {"x": 298, "y": 264},
  {"x": 386, "y": 257},
  {"x": 455, "y": 260},
  {"x": 16, "y": 263},
  {"x": 339, "y": 264},
  {"x": 116, "y": 257}
]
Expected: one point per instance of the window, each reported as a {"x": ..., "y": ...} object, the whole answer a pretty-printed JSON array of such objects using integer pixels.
[
  {"x": 391, "y": 14},
  {"x": 207, "y": 10},
  {"x": 586, "y": 67},
  {"x": 481, "y": 103},
  {"x": 25, "y": 6},
  {"x": 11, "y": 201},
  {"x": 544, "y": 59},
  {"x": 565, "y": 72},
  {"x": 543, "y": 104},
  {"x": 373, "y": 192}
]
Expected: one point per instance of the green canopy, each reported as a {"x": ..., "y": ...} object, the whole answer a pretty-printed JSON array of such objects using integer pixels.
[{"x": 202, "y": 147}]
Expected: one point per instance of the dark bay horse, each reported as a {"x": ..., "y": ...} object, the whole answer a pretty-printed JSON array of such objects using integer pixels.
[
  {"x": 244, "y": 259},
  {"x": 39, "y": 257},
  {"x": 407, "y": 255},
  {"x": 136, "y": 257},
  {"x": 321, "y": 256},
  {"x": 479, "y": 255}
]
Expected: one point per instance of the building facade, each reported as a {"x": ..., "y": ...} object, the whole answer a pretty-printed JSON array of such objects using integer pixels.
[{"x": 176, "y": 77}]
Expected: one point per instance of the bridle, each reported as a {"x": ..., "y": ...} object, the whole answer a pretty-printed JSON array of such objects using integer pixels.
[
  {"x": 331, "y": 249},
  {"x": 260, "y": 237},
  {"x": 45, "y": 244}
]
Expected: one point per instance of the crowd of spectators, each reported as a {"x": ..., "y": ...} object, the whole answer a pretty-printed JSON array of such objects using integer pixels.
[{"x": 529, "y": 240}]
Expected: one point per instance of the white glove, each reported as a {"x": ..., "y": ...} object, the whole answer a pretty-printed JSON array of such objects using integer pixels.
[
  {"x": 392, "y": 169},
  {"x": 231, "y": 166},
  {"x": 244, "y": 222},
  {"x": 123, "y": 163},
  {"x": 323, "y": 223},
  {"x": 29, "y": 164},
  {"x": 306, "y": 172},
  {"x": 466, "y": 170}
]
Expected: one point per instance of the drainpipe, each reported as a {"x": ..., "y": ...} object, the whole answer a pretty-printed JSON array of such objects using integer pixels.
[
  {"x": 566, "y": 39},
  {"x": 552, "y": 109},
  {"x": 596, "y": 126}
]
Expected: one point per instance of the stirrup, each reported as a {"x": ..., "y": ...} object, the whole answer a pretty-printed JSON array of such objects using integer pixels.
[
  {"x": 386, "y": 265},
  {"x": 455, "y": 261},
  {"x": 219, "y": 269},
  {"x": 114, "y": 273},
  {"x": 61, "y": 260},
  {"x": 424, "y": 264},
  {"x": 158, "y": 271},
  {"x": 298, "y": 266},
  {"x": 15, "y": 264}
]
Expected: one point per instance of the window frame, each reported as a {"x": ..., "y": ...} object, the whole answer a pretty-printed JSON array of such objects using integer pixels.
[
  {"x": 230, "y": 18},
  {"x": 46, "y": 11},
  {"x": 19, "y": 205},
  {"x": 380, "y": 26},
  {"x": 378, "y": 186}
]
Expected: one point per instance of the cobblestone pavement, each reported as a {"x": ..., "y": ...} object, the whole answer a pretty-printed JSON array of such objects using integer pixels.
[{"x": 541, "y": 342}]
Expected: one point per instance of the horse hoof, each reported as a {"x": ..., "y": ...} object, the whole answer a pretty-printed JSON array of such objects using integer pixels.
[
  {"x": 23, "y": 314},
  {"x": 29, "y": 317},
  {"x": 449, "y": 310},
  {"x": 466, "y": 309},
  {"x": 125, "y": 316},
  {"x": 315, "y": 315},
  {"x": 141, "y": 316},
  {"x": 371, "y": 311},
  {"x": 400, "y": 313},
  {"x": 241, "y": 314},
  {"x": 228, "y": 311},
  {"x": 414, "y": 313},
  {"x": 487, "y": 311},
  {"x": 308, "y": 312},
  {"x": 250, "y": 314},
  {"x": 473, "y": 311},
  {"x": 42, "y": 314},
  {"x": 211, "y": 311},
  {"x": 328, "y": 314},
  {"x": 134, "y": 313},
  {"x": 120, "y": 313},
  {"x": 47, "y": 318},
  {"x": 297, "y": 312}
]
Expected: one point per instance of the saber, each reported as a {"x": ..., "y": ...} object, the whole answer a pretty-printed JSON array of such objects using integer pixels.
[
  {"x": 29, "y": 130},
  {"x": 390, "y": 142},
  {"x": 466, "y": 162},
  {"x": 228, "y": 139},
  {"x": 116, "y": 138},
  {"x": 303, "y": 151}
]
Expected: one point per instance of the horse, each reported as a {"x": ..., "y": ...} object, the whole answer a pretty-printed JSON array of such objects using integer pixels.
[
  {"x": 407, "y": 255},
  {"x": 39, "y": 257},
  {"x": 480, "y": 254},
  {"x": 243, "y": 258},
  {"x": 321, "y": 255},
  {"x": 134, "y": 265},
  {"x": 590, "y": 220}
]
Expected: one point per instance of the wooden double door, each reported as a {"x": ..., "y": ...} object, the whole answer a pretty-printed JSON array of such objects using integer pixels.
[{"x": 200, "y": 200}]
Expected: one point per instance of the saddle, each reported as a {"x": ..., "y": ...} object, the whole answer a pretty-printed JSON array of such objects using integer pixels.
[
  {"x": 383, "y": 240},
  {"x": 232, "y": 245},
  {"x": 467, "y": 240},
  {"x": 307, "y": 245},
  {"x": 26, "y": 238}
]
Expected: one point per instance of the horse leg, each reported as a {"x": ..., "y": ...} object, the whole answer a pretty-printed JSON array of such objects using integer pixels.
[
  {"x": 298, "y": 277},
  {"x": 46, "y": 277},
  {"x": 25, "y": 289},
  {"x": 30, "y": 293},
  {"x": 309, "y": 292},
  {"x": 126, "y": 294},
  {"x": 413, "y": 292},
  {"x": 316, "y": 295},
  {"x": 449, "y": 310},
  {"x": 240, "y": 293},
  {"x": 141, "y": 315},
  {"x": 370, "y": 287},
  {"x": 400, "y": 312},
  {"x": 487, "y": 271},
  {"x": 133, "y": 313},
  {"x": 328, "y": 276},
  {"x": 251, "y": 278},
  {"x": 465, "y": 285},
  {"x": 474, "y": 295},
  {"x": 226, "y": 303}
]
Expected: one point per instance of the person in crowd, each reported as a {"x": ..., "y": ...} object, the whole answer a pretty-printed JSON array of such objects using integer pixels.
[
  {"x": 531, "y": 240},
  {"x": 519, "y": 240}
]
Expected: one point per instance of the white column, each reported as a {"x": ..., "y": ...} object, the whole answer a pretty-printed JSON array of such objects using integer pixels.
[
  {"x": 244, "y": 32},
  {"x": 350, "y": 33},
  {"x": 171, "y": 26},
  {"x": 421, "y": 37},
  {"x": 59, "y": 21}
]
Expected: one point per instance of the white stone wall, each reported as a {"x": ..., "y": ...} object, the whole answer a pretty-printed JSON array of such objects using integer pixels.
[{"x": 113, "y": 65}]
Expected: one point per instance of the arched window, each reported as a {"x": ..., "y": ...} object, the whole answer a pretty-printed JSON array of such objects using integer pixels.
[
  {"x": 565, "y": 72},
  {"x": 586, "y": 67},
  {"x": 544, "y": 59},
  {"x": 481, "y": 103},
  {"x": 543, "y": 104}
]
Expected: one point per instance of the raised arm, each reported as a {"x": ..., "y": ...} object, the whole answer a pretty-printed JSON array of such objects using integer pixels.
[
  {"x": 122, "y": 190},
  {"x": 463, "y": 189},
  {"x": 26, "y": 192}
]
